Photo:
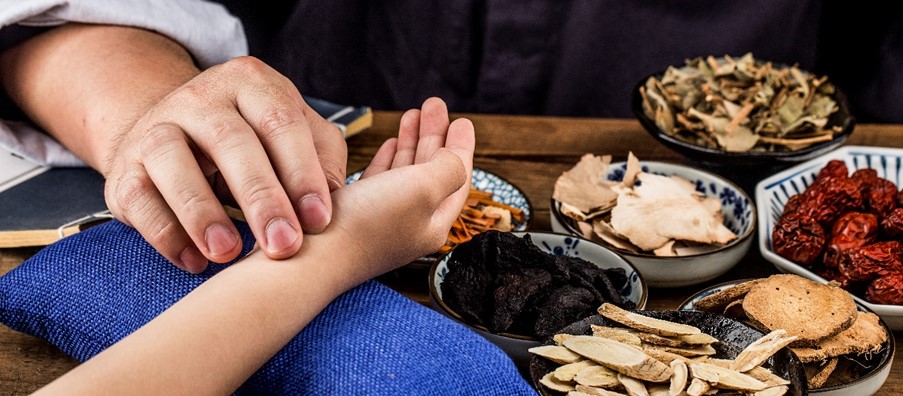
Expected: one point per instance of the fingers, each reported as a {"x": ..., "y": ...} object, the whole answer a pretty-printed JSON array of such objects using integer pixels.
[
  {"x": 433, "y": 129},
  {"x": 331, "y": 148},
  {"x": 166, "y": 153},
  {"x": 134, "y": 200},
  {"x": 382, "y": 160},
  {"x": 408, "y": 135}
]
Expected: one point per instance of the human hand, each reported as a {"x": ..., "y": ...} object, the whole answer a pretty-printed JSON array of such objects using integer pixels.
[
  {"x": 238, "y": 131},
  {"x": 411, "y": 193}
]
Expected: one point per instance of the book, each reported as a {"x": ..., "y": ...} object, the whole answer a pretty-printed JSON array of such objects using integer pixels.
[{"x": 40, "y": 204}]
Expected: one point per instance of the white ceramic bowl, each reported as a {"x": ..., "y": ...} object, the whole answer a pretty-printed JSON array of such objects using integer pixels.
[
  {"x": 876, "y": 367},
  {"x": 739, "y": 217},
  {"x": 502, "y": 191},
  {"x": 557, "y": 244},
  {"x": 773, "y": 192}
]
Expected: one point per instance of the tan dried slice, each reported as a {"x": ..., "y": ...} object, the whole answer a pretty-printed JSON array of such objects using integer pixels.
[
  {"x": 661, "y": 209},
  {"x": 806, "y": 309},
  {"x": 567, "y": 372},
  {"x": 597, "y": 376},
  {"x": 677, "y": 341},
  {"x": 716, "y": 302},
  {"x": 620, "y": 357},
  {"x": 633, "y": 386},
  {"x": 773, "y": 391},
  {"x": 867, "y": 335},
  {"x": 679, "y": 378},
  {"x": 735, "y": 310},
  {"x": 549, "y": 381},
  {"x": 604, "y": 231},
  {"x": 584, "y": 186},
  {"x": 594, "y": 391},
  {"x": 760, "y": 373},
  {"x": 817, "y": 373},
  {"x": 617, "y": 334},
  {"x": 645, "y": 323},
  {"x": 760, "y": 350},
  {"x": 557, "y": 354},
  {"x": 725, "y": 377},
  {"x": 559, "y": 338},
  {"x": 658, "y": 390},
  {"x": 691, "y": 351},
  {"x": 698, "y": 387},
  {"x": 664, "y": 357}
]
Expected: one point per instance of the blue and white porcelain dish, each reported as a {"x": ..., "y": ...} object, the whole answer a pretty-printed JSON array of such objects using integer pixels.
[
  {"x": 876, "y": 367},
  {"x": 739, "y": 216},
  {"x": 773, "y": 192},
  {"x": 515, "y": 345},
  {"x": 502, "y": 191}
]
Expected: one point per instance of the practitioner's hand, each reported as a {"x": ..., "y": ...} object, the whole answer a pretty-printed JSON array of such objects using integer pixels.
[
  {"x": 238, "y": 131},
  {"x": 412, "y": 192}
]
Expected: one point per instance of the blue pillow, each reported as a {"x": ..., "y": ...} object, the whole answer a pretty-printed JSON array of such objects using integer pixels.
[{"x": 88, "y": 291}]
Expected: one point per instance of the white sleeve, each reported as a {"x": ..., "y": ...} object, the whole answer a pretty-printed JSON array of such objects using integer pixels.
[{"x": 206, "y": 30}]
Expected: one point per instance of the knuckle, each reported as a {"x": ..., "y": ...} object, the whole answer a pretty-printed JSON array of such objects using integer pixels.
[
  {"x": 273, "y": 123},
  {"x": 257, "y": 193},
  {"x": 132, "y": 194},
  {"x": 158, "y": 141},
  {"x": 245, "y": 66},
  {"x": 223, "y": 131}
]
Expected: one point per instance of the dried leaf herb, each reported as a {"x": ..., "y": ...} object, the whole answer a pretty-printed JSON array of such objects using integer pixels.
[{"x": 741, "y": 105}]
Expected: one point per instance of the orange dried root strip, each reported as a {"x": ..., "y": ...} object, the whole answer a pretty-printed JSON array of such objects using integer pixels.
[{"x": 478, "y": 194}]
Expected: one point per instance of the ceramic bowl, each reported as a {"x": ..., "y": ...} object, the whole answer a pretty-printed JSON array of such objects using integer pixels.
[
  {"x": 733, "y": 335},
  {"x": 502, "y": 191},
  {"x": 870, "y": 370},
  {"x": 843, "y": 118},
  {"x": 516, "y": 345},
  {"x": 773, "y": 192},
  {"x": 739, "y": 216}
]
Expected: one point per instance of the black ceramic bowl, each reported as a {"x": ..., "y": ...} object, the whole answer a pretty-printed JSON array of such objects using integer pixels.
[
  {"x": 843, "y": 117},
  {"x": 734, "y": 337}
]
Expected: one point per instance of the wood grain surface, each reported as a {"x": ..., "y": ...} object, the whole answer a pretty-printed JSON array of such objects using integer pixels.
[{"x": 528, "y": 151}]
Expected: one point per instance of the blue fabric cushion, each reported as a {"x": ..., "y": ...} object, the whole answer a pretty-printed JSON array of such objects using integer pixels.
[{"x": 90, "y": 290}]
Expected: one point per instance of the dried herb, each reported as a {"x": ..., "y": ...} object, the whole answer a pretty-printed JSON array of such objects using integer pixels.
[{"x": 741, "y": 105}]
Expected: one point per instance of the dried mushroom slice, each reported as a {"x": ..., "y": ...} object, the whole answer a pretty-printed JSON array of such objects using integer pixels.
[
  {"x": 645, "y": 323},
  {"x": 760, "y": 350},
  {"x": 620, "y": 357},
  {"x": 583, "y": 187}
]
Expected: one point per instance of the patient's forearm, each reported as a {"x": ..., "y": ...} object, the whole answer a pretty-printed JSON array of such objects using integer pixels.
[{"x": 211, "y": 341}]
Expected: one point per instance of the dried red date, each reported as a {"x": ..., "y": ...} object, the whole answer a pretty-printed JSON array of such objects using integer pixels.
[
  {"x": 892, "y": 225},
  {"x": 834, "y": 168},
  {"x": 830, "y": 198},
  {"x": 865, "y": 173},
  {"x": 872, "y": 261},
  {"x": 851, "y": 230},
  {"x": 886, "y": 290},
  {"x": 879, "y": 195},
  {"x": 798, "y": 238}
]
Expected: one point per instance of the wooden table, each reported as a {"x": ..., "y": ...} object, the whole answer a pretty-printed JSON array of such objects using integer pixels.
[{"x": 531, "y": 152}]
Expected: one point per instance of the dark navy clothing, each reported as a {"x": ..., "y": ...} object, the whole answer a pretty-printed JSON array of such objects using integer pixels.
[{"x": 569, "y": 58}]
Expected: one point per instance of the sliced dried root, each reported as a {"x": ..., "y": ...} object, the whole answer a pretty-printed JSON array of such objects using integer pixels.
[
  {"x": 597, "y": 377},
  {"x": 557, "y": 354},
  {"x": 633, "y": 386},
  {"x": 760, "y": 350},
  {"x": 679, "y": 378},
  {"x": 620, "y": 357},
  {"x": 725, "y": 377},
  {"x": 568, "y": 371},
  {"x": 645, "y": 323}
]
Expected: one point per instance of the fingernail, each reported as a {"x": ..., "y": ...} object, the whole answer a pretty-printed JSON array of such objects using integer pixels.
[
  {"x": 280, "y": 236},
  {"x": 314, "y": 216},
  {"x": 192, "y": 260},
  {"x": 220, "y": 240}
]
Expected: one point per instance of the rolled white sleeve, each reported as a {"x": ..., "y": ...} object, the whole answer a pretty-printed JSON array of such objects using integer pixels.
[{"x": 206, "y": 30}]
